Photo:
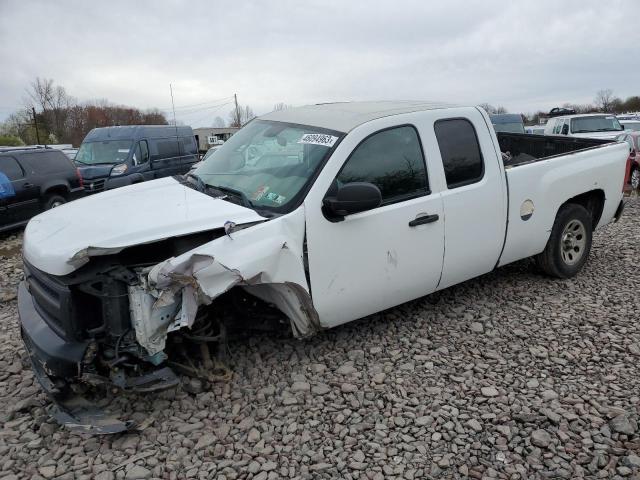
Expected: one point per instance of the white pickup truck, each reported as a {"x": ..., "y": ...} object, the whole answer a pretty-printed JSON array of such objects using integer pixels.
[{"x": 305, "y": 219}]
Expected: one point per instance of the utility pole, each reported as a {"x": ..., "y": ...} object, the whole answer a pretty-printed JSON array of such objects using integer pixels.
[
  {"x": 35, "y": 122},
  {"x": 235, "y": 99}
]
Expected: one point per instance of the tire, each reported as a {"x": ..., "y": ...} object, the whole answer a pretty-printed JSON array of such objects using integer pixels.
[
  {"x": 635, "y": 179},
  {"x": 53, "y": 201},
  {"x": 569, "y": 244}
]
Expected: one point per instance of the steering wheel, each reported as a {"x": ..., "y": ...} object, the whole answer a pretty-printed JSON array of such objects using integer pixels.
[{"x": 251, "y": 154}]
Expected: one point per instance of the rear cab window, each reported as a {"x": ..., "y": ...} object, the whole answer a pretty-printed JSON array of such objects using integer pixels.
[
  {"x": 460, "y": 151},
  {"x": 392, "y": 160}
]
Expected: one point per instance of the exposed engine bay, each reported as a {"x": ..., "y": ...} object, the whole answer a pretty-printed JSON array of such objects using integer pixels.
[{"x": 135, "y": 319}]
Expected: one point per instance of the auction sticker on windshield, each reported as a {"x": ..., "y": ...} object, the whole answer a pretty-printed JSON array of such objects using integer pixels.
[{"x": 318, "y": 139}]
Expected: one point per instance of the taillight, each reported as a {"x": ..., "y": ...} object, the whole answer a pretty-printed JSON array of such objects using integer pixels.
[{"x": 79, "y": 175}]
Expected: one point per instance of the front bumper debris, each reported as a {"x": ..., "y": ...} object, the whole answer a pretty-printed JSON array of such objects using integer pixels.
[{"x": 55, "y": 360}]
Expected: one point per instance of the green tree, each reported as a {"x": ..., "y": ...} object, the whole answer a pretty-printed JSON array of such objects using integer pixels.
[{"x": 10, "y": 141}]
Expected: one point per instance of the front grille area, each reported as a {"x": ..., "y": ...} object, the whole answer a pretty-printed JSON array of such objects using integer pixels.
[
  {"x": 76, "y": 309},
  {"x": 94, "y": 186},
  {"x": 51, "y": 299}
]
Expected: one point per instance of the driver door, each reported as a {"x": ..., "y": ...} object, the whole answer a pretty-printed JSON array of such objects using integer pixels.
[{"x": 379, "y": 258}]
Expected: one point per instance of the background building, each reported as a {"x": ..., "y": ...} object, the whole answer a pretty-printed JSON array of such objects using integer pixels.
[{"x": 208, "y": 137}]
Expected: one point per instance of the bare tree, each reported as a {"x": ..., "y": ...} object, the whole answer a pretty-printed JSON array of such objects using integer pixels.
[
  {"x": 247, "y": 115},
  {"x": 40, "y": 94},
  {"x": 491, "y": 109},
  {"x": 235, "y": 117},
  {"x": 238, "y": 117},
  {"x": 218, "y": 122},
  {"x": 604, "y": 99}
]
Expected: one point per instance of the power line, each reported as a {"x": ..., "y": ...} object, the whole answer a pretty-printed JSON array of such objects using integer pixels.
[
  {"x": 181, "y": 107},
  {"x": 196, "y": 110},
  {"x": 209, "y": 114}
]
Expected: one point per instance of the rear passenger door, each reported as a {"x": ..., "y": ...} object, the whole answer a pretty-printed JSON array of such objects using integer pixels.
[{"x": 474, "y": 198}]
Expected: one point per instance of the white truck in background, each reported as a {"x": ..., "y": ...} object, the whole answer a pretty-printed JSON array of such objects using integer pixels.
[
  {"x": 592, "y": 125},
  {"x": 306, "y": 218}
]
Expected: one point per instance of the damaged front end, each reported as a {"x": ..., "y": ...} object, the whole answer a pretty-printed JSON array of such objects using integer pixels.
[{"x": 131, "y": 320}]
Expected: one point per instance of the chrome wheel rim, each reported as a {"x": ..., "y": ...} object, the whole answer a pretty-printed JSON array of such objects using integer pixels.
[
  {"x": 635, "y": 179},
  {"x": 56, "y": 204},
  {"x": 573, "y": 242}
]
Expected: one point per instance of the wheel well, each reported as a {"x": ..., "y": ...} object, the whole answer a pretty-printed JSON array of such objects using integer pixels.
[
  {"x": 57, "y": 190},
  {"x": 593, "y": 201}
]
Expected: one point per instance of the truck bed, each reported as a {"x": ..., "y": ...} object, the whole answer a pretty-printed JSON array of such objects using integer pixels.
[
  {"x": 526, "y": 148},
  {"x": 545, "y": 183}
]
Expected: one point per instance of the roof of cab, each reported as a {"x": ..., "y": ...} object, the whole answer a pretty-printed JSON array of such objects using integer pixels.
[
  {"x": 345, "y": 116},
  {"x": 129, "y": 132},
  {"x": 582, "y": 115}
]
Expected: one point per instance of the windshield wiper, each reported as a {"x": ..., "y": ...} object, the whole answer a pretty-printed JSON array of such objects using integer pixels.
[
  {"x": 200, "y": 183},
  {"x": 236, "y": 193}
]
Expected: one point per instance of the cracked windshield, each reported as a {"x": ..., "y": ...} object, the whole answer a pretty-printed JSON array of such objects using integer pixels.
[{"x": 266, "y": 163}]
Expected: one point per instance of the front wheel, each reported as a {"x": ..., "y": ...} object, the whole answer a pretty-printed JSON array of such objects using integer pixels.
[{"x": 569, "y": 244}]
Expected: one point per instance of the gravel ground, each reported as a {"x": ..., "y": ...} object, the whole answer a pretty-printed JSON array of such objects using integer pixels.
[{"x": 512, "y": 375}]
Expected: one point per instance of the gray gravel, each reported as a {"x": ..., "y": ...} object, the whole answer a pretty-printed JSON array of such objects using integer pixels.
[{"x": 512, "y": 375}]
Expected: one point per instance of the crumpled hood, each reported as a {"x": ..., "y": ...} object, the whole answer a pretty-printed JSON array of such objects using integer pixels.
[{"x": 60, "y": 240}]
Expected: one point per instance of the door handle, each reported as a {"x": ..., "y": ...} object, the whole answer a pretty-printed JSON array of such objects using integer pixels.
[
  {"x": 27, "y": 185},
  {"x": 424, "y": 219}
]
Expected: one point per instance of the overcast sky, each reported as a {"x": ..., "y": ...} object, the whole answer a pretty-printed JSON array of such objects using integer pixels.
[{"x": 524, "y": 55}]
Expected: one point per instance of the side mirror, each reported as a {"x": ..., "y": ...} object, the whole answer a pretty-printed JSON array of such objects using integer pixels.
[
  {"x": 352, "y": 198},
  {"x": 565, "y": 129},
  {"x": 622, "y": 126}
]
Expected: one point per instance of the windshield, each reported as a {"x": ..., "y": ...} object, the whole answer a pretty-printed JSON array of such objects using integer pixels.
[
  {"x": 267, "y": 163},
  {"x": 633, "y": 126},
  {"x": 509, "y": 127},
  {"x": 106, "y": 152},
  {"x": 595, "y": 124}
]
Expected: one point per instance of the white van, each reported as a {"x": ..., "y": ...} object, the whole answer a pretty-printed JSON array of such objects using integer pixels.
[{"x": 592, "y": 125}]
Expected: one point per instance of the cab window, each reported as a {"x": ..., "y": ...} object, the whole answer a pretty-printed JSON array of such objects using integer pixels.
[
  {"x": 460, "y": 151},
  {"x": 392, "y": 160}
]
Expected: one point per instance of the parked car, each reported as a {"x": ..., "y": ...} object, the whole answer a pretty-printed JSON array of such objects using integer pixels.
[
  {"x": 342, "y": 210},
  {"x": 507, "y": 122},
  {"x": 112, "y": 157},
  {"x": 70, "y": 152},
  {"x": 560, "y": 111},
  {"x": 33, "y": 180},
  {"x": 210, "y": 152},
  {"x": 633, "y": 125},
  {"x": 592, "y": 125},
  {"x": 633, "y": 162}
]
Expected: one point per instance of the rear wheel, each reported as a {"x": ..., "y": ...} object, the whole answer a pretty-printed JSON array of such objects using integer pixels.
[
  {"x": 53, "y": 201},
  {"x": 635, "y": 179},
  {"x": 569, "y": 244}
]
